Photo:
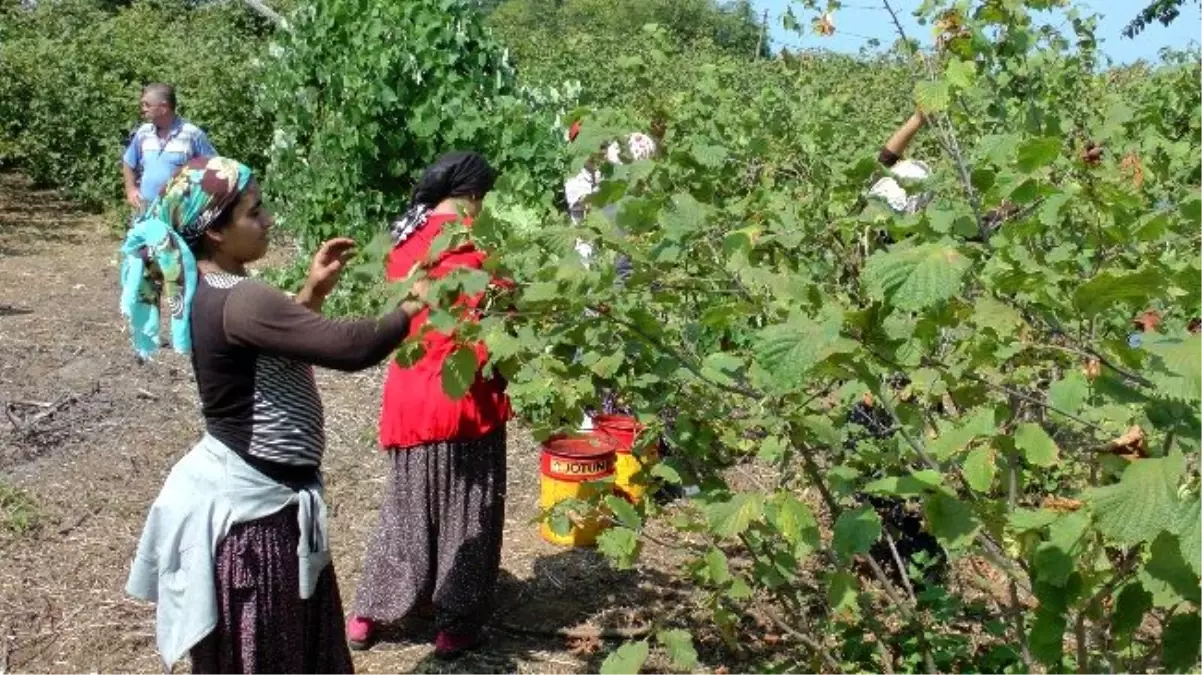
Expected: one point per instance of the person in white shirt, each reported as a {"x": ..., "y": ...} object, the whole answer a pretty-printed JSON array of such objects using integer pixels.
[{"x": 579, "y": 188}]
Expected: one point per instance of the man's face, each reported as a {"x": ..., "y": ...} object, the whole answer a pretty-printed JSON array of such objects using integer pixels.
[{"x": 155, "y": 109}]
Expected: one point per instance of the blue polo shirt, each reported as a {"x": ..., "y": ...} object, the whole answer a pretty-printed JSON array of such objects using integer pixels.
[{"x": 155, "y": 160}]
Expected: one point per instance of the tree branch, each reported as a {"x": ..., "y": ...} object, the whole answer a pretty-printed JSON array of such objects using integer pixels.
[
  {"x": 910, "y": 613},
  {"x": 266, "y": 12},
  {"x": 1090, "y": 352},
  {"x": 992, "y": 550},
  {"x": 680, "y": 358},
  {"x": 1015, "y": 610},
  {"x": 831, "y": 663}
]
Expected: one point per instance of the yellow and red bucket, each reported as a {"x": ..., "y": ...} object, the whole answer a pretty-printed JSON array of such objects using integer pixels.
[
  {"x": 569, "y": 465},
  {"x": 624, "y": 431}
]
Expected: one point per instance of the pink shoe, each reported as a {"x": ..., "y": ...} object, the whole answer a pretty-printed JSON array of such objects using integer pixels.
[
  {"x": 359, "y": 632},
  {"x": 449, "y": 645}
]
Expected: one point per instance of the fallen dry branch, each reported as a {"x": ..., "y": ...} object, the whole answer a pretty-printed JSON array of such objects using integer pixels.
[{"x": 26, "y": 425}]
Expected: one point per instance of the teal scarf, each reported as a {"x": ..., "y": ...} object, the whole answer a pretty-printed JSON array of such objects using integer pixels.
[{"x": 157, "y": 260}]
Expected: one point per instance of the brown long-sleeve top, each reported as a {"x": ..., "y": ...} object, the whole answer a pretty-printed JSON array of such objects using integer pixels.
[{"x": 253, "y": 349}]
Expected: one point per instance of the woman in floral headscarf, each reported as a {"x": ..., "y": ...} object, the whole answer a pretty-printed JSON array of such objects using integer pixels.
[{"x": 235, "y": 549}]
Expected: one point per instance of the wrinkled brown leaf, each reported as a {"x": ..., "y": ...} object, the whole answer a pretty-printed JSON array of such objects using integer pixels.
[
  {"x": 1133, "y": 168},
  {"x": 1133, "y": 443},
  {"x": 1092, "y": 369},
  {"x": 1148, "y": 321},
  {"x": 825, "y": 25},
  {"x": 1061, "y": 504}
]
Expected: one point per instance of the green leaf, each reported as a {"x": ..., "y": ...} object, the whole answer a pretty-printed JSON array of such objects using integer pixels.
[
  {"x": 716, "y": 567},
  {"x": 1191, "y": 208},
  {"x": 459, "y": 372},
  {"x": 841, "y": 595},
  {"x": 1189, "y": 533},
  {"x": 722, "y": 367},
  {"x": 685, "y": 217},
  {"x": 541, "y": 291},
  {"x": 917, "y": 277},
  {"x": 1142, "y": 504},
  {"x": 1181, "y": 644},
  {"x": 1070, "y": 393},
  {"x": 1049, "y": 213},
  {"x": 1135, "y": 289},
  {"x": 560, "y": 518},
  {"x": 823, "y": 430},
  {"x": 772, "y": 449},
  {"x": 709, "y": 156},
  {"x": 666, "y": 473},
  {"x": 1047, "y": 636},
  {"x": 856, "y": 531},
  {"x": 620, "y": 545},
  {"x": 980, "y": 468},
  {"x": 787, "y": 352},
  {"x": 732, "y": 518},
  {"x": 795, "y": 521},
  {"x": 679, "y": 645},
  {"x": 623, "y": 512},
  {"x": 1054, "y": 557},
  {"x": 1039, "y": 152},
  {"x": 740, "y": 242},
  {"x": 739, "y": 590},
  {"x": 1037, "y": 446},
  {"x": 627, "y": 659},
  {"x": 950, "y": 520},
  {"x": 999, "y": 317},
  {"x": 1178, "y": 366},
  {"x": 1025, "y": 520},
  {"x": 1167, "y": 576},
  {"x": 914, "y": 484},
  {"x": 1132, "y": 603},
  {"x": 961, "y": 74},
  {"x": 954, "y": 440},
  {"x": 932, "y": 97}
]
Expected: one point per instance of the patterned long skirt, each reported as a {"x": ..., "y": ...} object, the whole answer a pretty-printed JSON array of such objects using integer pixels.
[
  {"x": 438, "y": 541},
  {"x": 263, "y": 624}
]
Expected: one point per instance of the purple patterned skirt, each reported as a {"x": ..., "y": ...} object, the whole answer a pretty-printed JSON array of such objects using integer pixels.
[
  {"x": 263, "y": 625},
  {"x": 438, "y": 541}
]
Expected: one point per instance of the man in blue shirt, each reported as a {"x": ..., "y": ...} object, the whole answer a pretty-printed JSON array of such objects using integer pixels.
[{"x": 159, "y": 147}]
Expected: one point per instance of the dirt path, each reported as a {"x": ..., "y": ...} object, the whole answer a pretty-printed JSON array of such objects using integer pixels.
[{"x": 89, "y": 435}]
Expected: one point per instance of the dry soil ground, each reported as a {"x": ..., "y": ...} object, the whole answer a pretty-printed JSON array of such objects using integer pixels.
[{"x": 88, "y": 435}]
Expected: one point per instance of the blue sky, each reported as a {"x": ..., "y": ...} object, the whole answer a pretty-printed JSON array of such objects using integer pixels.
[{"x": 863, "y": 19}]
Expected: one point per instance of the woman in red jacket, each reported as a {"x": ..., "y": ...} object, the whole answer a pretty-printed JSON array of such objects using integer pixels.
[{"x": 438, "y": 542}]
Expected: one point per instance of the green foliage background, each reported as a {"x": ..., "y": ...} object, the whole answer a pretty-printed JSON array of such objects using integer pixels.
[{"x": 70, "y": 75}]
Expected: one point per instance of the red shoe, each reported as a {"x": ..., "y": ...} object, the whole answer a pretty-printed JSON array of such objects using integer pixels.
[
  {"x": 449, "y": 645},
  {"x": 359, "y": 632}
]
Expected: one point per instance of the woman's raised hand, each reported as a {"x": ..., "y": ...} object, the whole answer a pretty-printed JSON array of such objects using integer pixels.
[
  {"x": 416, "y": 300},
  {"x": 328, "y": 264}
]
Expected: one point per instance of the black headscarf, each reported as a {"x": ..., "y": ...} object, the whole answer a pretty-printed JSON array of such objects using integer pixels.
[{"x": 455, "y": 174}]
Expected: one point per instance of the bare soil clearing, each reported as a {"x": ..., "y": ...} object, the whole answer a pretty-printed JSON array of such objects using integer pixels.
[{"x": 88, "y": 435}]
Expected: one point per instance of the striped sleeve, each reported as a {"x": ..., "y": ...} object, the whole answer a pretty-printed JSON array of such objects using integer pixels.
[{"x": 261, "y": 317}]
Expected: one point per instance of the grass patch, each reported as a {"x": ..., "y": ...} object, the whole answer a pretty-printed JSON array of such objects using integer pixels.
[{"x": 18, "y": 511}]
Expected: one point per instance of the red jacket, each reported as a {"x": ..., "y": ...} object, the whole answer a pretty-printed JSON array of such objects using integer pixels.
[{"x": 415, "y": 410}]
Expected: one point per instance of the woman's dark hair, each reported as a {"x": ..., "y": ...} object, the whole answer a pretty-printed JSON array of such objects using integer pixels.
[
  {"x": 199, "y": 245},
  {"x": 455, "y": 174}
]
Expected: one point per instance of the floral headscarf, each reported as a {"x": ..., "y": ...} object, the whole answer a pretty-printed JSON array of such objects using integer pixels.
[{"x": 157, "y": 254}]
